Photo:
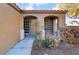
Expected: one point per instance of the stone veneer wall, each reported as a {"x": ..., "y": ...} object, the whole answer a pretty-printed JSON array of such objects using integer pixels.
[{"x": 70, "y": 34}]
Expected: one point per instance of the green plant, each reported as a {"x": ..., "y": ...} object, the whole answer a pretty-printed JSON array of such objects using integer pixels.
[{"x": 48, "y": 43}]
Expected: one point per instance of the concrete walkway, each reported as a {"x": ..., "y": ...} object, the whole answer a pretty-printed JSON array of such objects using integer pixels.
[{"x": 24, "y": 47}]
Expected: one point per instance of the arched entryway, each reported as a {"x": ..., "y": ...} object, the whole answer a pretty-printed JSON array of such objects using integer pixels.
[
  {"x": 30, "y": 24},
  {"x": 51, "y": 24}
]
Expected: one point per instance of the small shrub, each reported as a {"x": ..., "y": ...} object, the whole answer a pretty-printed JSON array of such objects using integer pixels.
[
  {"x": 38, "y": 35},
  {"x": 37, "y": 44},
  {"x": 37, "y": 41},
  {"x": 48, "y": 43}
]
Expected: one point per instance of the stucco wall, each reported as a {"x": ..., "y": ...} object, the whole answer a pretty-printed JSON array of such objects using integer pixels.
[{"x": 10, "y": 25}]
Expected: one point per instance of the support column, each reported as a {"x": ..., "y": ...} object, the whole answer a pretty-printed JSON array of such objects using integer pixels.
[
  {"x": 21, "y": 29},
  {"x": 57, "y": 26},
  {"x": 41, "y": 27},
  {"x": 22, "y": 34}
]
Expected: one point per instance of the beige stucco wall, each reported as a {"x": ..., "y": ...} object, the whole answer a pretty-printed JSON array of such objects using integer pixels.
[{"x": 10, "y": 26}]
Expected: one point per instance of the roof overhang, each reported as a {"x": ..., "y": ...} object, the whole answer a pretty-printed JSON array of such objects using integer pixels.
[{"x": 44, "y": 11}]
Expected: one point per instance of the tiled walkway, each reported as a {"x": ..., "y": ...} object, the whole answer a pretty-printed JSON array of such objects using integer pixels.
[{"x": 22, "y": 48}]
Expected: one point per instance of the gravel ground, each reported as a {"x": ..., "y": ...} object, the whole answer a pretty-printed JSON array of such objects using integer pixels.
[{"x": 62, "y": 49}]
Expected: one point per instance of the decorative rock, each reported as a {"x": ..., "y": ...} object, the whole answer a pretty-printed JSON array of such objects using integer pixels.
[{"x": 70, "y": 34}]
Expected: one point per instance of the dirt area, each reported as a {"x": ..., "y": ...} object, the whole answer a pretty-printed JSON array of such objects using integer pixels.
[{"x": 62, "y": 49}]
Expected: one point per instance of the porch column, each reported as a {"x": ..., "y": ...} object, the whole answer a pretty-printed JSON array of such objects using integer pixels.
[
  {"x": 21, "y": 29},
  {"x": 41, "y": 27},
  {"x": 57, "y": 26},
  {"x": 21, "y": 34}
]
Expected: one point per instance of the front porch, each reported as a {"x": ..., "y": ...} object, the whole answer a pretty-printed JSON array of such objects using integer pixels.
[{"x": 45, "y": 26}]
